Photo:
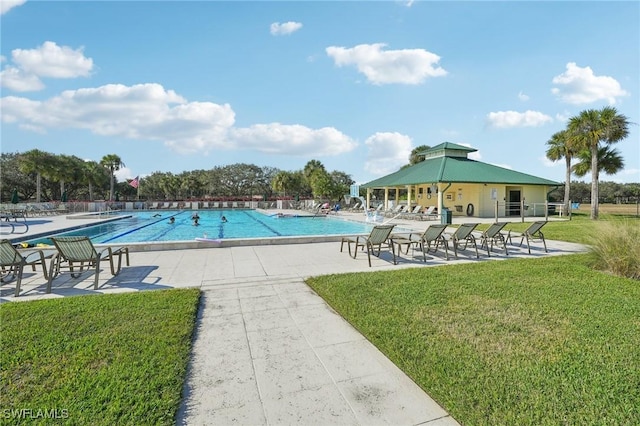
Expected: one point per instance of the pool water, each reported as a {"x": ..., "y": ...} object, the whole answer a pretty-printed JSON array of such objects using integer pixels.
[{"x": 240, "y": 224}]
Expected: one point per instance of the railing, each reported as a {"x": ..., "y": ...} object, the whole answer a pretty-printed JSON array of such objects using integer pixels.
[{"x": 523, "y": 209}]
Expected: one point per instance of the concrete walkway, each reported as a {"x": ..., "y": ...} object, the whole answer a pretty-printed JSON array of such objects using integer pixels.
[{"x": 268, "y": 350}]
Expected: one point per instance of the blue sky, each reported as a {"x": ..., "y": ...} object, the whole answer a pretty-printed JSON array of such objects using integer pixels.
[{"x": 183, "y": 85}]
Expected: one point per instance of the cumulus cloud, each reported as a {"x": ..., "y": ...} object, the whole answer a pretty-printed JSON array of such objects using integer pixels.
[
  {"x": 580, "y": 86},
  {"x": 523, "y": 97},
  {"x": 48, "y": 60},
  {"x": 7, "y": 5},
  {"x": 405, "y": 66},
  {"x": 285, "y": 28},
  {"x": 19, "y": 81},
  {"x": 276, "y": 138},
  {"x": 507, "y": 119},
  {"x": 387, "y": 152},
  {"x": 150, "y": 112}
]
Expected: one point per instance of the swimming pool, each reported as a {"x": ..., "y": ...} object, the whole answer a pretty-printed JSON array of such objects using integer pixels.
[{"x": 142, "y": 227}]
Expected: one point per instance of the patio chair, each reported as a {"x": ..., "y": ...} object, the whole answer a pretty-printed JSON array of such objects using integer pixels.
[
  {"x": 428, "y": 214},
  {"x": 13, "y": 262},
  {"x": 78, "y": 254},
  {"x": 464, "y": 234},
  {"x": 433, "y": 235},
  {"x": 533, "y": 233},
  {"x": 494, "y": 235},
  {"x": 379, "y": 236},
  {"x": 396, "y": 211},
  {"x": 411, "y": 214},
  {"x": 355, "y": 208}
]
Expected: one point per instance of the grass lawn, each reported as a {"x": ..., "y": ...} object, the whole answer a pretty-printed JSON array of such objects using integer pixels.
[
  {"x": 99, "y": 360},
  {"x": 522, "y": 341}
]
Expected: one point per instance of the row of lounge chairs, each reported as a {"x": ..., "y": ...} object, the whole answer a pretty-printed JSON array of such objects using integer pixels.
[
  {"x": 77, "y": 254},
  {"x": 434, "y": 237},
  {"x": 34, "y": 210}
]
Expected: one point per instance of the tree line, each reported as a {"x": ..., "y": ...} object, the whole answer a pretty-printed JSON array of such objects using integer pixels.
[{"x": 42, "y": 176}]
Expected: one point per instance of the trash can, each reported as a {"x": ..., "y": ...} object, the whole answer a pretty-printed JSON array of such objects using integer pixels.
[{"x": 446, "y": 217}]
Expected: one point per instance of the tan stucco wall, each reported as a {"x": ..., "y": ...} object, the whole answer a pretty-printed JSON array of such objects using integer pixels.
[{"x": 483, "y": 197}]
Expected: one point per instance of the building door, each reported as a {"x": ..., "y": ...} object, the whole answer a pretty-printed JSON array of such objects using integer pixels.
[{"x": 514, "y": 203}]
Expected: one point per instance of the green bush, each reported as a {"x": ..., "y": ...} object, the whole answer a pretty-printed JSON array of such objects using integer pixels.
[{"x": 616, "y": 249}]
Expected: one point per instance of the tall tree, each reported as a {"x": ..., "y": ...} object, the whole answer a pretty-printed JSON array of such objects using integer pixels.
[
  {"x": 609, "y": 161},
  {"x": 559, "y": 146},
  {"x": 94, "y": 176},
  {"x": 38, "y": 162},
  {"x": 113, "y": 163},
  {"x": 588, "y": 130}
]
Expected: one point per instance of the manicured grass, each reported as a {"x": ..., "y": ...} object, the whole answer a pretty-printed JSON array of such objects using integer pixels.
[
  {"x": 580, "y": 229},
  {"x": 512, "y": 342},
  {"x": 99, "y": 360}
]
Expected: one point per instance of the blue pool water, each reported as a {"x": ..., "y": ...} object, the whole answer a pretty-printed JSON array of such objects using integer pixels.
[{"x": 144, "y": 227}]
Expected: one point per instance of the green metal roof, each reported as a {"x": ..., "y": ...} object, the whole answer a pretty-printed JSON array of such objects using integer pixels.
[{"x": 455, "y": 169}]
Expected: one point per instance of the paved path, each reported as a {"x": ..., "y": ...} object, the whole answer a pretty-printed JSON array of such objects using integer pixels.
[{"x": 268, "y": 350}]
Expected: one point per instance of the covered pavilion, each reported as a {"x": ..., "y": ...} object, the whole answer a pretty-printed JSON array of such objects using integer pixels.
[{"x": 447, "y": 178}]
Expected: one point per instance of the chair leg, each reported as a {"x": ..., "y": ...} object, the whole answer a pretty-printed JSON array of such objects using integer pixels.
[
  {"x": 54, "y": 269},
  {"x": 19, "y": 279},
  {"x": 543, "y": 242},
  {"x": 95, "y": 282}
]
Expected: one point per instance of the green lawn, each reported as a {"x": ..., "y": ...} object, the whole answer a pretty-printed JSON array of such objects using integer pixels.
[
  {"x": 98, "y": 360},
  {"x": 512, "y": 342},
  {"x": 531, "y": 341}
]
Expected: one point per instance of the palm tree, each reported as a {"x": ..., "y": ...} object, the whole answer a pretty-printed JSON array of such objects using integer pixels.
[
  {"x": 94, "y": 176},
  {"x": 38, "y": 162},
  {"x": 609, "y": 161},
  {"x": 113, "y": 163},
  {"x": 591, "y": 127},
  {"x": 559, "y": 146}
]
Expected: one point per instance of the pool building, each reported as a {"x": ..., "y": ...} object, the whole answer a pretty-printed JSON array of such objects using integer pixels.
[{"x": 447, "y": 178}]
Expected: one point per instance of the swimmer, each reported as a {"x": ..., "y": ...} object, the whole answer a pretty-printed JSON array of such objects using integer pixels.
[
  {"x": 157, "y": 215},
  {"x": 172, "y": 219},
  {"x": 195, "y": 221},
  {"x": 223, "y": 219}
]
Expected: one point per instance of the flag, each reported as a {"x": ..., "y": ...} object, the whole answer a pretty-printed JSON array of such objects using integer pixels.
[{"x": 135, "y": 182}]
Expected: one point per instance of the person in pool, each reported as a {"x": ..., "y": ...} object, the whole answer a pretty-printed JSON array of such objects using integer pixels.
[
  {"x": 195, "y": 221},
  {"x": 172, "y": 219},
  {"x": 223, "y": 219}
]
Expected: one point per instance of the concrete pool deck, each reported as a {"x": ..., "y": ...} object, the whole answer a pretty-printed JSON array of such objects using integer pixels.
[{"x": 267, "y": 349}]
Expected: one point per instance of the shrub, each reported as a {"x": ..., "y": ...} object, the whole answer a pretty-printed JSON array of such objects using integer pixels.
[{"x": 615, "y": 247}]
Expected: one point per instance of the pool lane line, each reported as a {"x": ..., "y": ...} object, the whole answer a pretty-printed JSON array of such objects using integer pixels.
[
  {"x": 140, "y": 227},
  {"x": 263, "y": 224}
]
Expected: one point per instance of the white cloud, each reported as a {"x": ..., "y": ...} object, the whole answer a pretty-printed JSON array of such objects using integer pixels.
[
  {"x": 406, "y": 66},
  {"x": 150, "y": 112},
  {"x": 7, "y": 5},
  {"x": 17, "y": 80},
  {"x": 507, "y": 119},
  {"x": 48, "y": 60},
  {"x": 276, "y": 138},
  {"x": 548, "y": 163},
  {"x": 580, "y": 86},
  {"x": 144, "y": 112},
  {"x": 472, "y": 155},
  {"x": 387, "y": 152},
  {"x": 563, "y": 117},
  {"x": 123, "y": 174},
  {"x": 523, "y": 97},
  {"x": 285, "y": 28},
  {"x": 51, "y": 60}
]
